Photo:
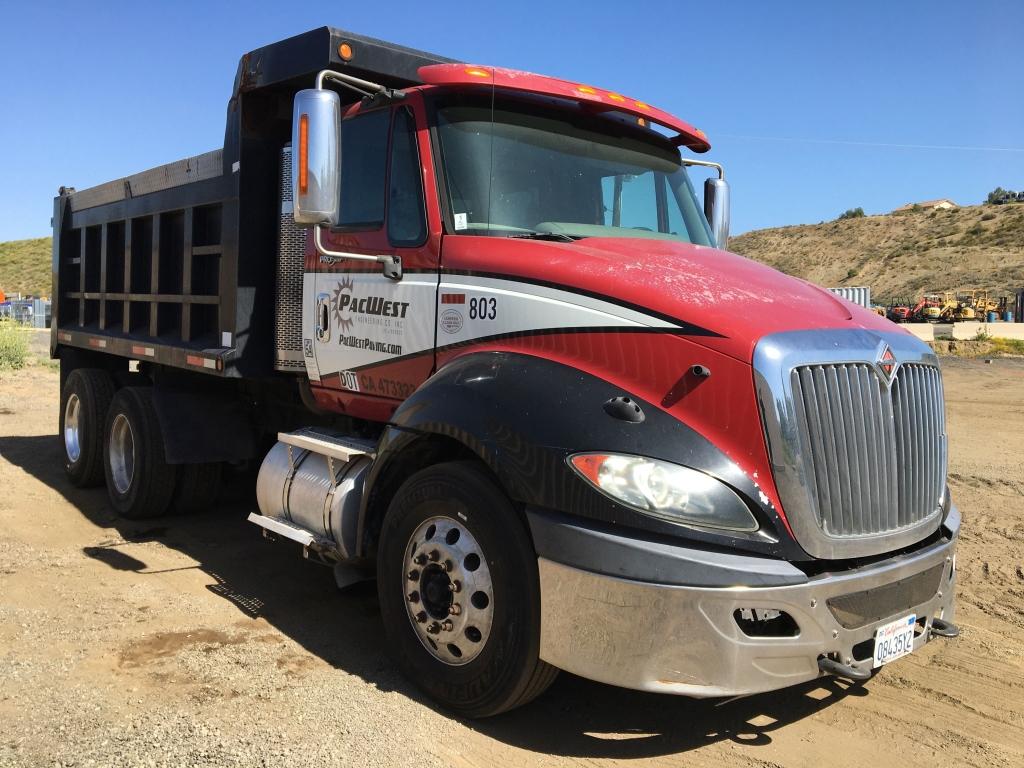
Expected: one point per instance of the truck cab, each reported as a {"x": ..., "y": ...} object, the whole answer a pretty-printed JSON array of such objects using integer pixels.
[{"x": 506, "y": 365}]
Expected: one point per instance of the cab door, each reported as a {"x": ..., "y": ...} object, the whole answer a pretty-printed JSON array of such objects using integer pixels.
[{"x": 371, "y": 336}]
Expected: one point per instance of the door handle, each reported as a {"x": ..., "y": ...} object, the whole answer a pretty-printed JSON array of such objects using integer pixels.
[{"x": 323, "y": 317}]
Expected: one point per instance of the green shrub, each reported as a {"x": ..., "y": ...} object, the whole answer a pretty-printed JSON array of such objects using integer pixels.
[
  {"x": 852, "y": 213},
  {"x": 13, "y": 346},
  {"x": 851, "y": 272}
]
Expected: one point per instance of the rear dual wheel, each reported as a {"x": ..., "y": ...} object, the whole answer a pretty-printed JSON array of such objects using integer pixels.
[
  {"x": 459, "y": 592},
  {"x": 140, "y": 482},
  {"x": 84, "y": 402}
]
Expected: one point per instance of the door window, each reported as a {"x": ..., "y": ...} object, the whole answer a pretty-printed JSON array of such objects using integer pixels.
[
  {"x": 407, "y": 225},
  {"x": 364, "y": 144}
]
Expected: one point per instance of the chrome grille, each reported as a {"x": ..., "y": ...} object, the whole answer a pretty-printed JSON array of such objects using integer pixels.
[
  {"x": 291, "y": 266},
  {"x": 876, "y": 454},
  {"x": 859, "y": 463}
]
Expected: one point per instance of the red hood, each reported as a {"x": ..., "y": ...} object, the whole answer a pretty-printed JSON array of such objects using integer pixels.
[{"x": 738, "y": 299}]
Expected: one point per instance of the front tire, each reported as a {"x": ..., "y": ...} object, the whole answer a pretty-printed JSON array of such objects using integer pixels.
[
  {"x": 459, "y": 592},
  {"x": 140, "y": 482},
  {"x": 84, "y": 402}
]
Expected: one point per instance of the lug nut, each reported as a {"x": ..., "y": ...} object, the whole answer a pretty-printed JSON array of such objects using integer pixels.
[
  {"x": 434, "y": 555},
  {"x": 455, "y": 585},
  {"x": 434, "y": 628},
  {"x": 447, "y": 626},
  {"x": 413, "y": 575},
  {"x": 420, "y": 559},
  {"x": 421, "y": 617},
  {"x": 454, "y": 609},
  {"x": 448, "y": 566},
  {"x": 414, "y": 597}
]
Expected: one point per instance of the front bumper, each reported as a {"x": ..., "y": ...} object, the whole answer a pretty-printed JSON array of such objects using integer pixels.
[{"x": 683, "y": 639}]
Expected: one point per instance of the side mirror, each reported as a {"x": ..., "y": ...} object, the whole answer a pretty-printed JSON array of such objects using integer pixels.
[
  {"x": 716, "y": 209},
  {"x": 316, "y": 156}
]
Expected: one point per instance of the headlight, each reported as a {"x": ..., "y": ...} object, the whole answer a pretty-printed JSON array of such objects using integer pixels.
[{"x": 666, "y": 491}]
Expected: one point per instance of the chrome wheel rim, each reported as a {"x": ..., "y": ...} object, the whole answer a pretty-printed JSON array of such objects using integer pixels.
[
  {"x": 72, "y": 427},
  {"x": 122, "y": 453},
  {"x": 448, "y": 596}
]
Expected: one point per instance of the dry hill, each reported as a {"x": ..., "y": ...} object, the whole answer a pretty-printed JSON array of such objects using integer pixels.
[
  {"x": 898, "y": 255},
  {"x": 25, "y": 267},
  {"x": 901, "y": 255}
]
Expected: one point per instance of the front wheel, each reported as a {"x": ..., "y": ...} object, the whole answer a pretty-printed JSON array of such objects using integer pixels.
[{"x": 459, "y": 592}]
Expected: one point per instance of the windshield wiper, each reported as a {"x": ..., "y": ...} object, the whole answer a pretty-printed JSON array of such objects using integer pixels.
[{"x": 556, "y": 236}]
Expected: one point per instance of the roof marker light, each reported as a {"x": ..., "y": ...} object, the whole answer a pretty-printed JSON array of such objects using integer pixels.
[
  {"x": 586, "y": 89},
  {"x": 476, "y": 72},
  {"x": 345, "y": 51},
  {"x": 616, "y": 97},
  {"x": 641, "y": 105}
]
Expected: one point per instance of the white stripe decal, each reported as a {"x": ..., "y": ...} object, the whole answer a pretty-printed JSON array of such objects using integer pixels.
[{"x": 496, "y": 307}]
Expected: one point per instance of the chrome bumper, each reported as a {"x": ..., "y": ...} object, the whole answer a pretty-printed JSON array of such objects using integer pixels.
[{"x": 685, "y": 640}]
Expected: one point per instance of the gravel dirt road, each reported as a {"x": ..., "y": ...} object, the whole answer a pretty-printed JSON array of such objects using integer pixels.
[{"x": 192, "y": 641}]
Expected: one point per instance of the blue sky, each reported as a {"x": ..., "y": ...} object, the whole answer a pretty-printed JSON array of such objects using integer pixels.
[{"x": 814, "y": 107}]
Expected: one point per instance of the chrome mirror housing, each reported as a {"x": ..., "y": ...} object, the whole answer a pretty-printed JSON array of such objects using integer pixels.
[
  {"x": 716, "y": 209},
  {"x": 316, "y": 157}
]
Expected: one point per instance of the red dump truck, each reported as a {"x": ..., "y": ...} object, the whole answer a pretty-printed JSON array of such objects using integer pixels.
[{"x": 483, "y": 339}]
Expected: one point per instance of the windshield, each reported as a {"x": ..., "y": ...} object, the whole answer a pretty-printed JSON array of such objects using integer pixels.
[{"x": 515, "y": 167}]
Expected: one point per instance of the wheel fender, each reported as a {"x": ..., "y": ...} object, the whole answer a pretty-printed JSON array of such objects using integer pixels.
[{"x": 522, "y": 415}]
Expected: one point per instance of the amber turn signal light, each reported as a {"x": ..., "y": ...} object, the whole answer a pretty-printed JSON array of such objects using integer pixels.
[{"x": 303, "y": 154}]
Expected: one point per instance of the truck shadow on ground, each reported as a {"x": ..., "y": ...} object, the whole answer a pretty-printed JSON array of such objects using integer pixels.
[{"x": 576, "y": 717}]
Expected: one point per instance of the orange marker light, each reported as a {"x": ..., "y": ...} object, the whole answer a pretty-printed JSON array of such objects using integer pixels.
[
  {"x": 303, "y": 154},
  {"x": 589, "y": 465},
  {"x": 345, "y": 51},
  {"x": 641, "y": 105},
  {"x": 478, "y": 72},
  {"x": 616, "y": 97},
  {"x": 585, "y": 89}
]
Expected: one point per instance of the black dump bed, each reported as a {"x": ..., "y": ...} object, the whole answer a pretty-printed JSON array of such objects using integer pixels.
[{"x": 177, "y": 265}]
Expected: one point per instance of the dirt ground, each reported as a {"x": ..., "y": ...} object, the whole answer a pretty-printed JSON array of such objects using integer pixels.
[{"x": 192, "y": 641}]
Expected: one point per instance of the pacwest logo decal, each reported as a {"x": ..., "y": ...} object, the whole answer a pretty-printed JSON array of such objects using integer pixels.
[{"x": 350, "y": 307}]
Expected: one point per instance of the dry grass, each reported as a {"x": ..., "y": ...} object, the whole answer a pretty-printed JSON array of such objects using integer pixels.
[
  {"x": 902, "y": 255},
  {"x": 25, "y": 267}
]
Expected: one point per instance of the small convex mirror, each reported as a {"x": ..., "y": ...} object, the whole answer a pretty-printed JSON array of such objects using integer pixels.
[
  {"x": 316, "y": 155},
  {"x": 716, "y": 209}
]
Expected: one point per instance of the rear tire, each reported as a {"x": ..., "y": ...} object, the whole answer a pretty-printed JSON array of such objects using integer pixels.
[
  {"x": 84, "y": 402},
  {"x": 466, "y": 628},
  {"x": 140, "y": 482},
  {"x": 196, "y": 489}
]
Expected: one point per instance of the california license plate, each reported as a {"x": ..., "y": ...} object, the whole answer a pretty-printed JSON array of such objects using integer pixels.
[{"x": 894, "y": 640}]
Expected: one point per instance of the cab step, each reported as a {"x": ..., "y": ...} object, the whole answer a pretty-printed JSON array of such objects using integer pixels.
[
  {"x": 277, "y": 527},
  {"x": 328, "y": 443}
]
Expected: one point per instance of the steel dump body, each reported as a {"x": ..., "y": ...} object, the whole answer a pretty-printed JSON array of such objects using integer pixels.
[{"x": 175, "y": 265}]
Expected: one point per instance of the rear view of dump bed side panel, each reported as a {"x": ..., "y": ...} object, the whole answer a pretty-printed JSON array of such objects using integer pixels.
[
  {"x": 177, "y": 265},
  {"x": 145, "y": 267}
]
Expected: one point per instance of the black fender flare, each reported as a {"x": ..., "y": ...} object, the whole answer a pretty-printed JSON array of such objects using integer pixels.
[{"x": 522, "y": 415}]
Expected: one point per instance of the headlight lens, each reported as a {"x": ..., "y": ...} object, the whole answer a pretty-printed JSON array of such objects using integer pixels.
[{"x": 666, "y": 491}]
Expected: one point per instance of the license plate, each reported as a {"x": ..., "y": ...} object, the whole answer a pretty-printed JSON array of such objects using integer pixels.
[{"x": 894, "y": 640}]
